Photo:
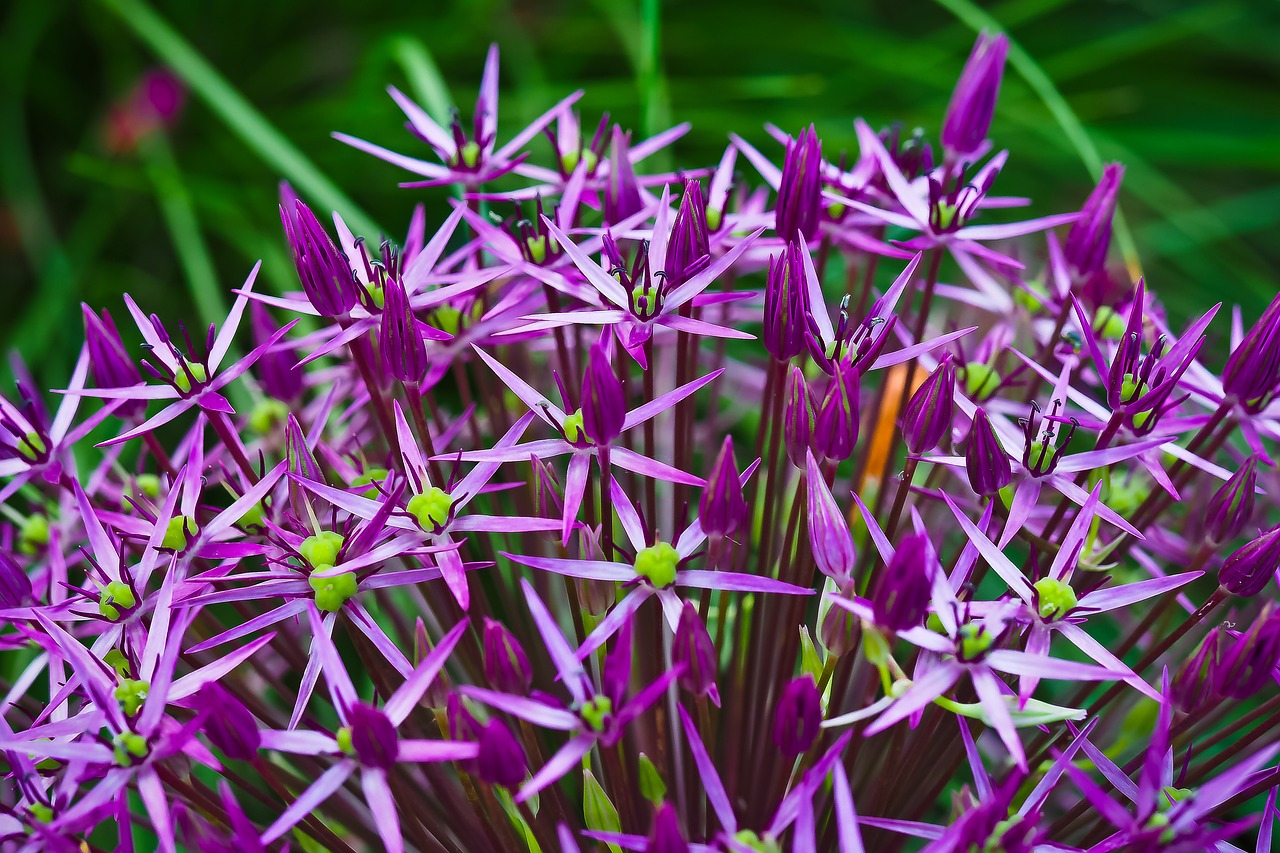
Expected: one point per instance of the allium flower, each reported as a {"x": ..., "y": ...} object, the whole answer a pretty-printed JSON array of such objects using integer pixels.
[{"x": 172, "y": 599}]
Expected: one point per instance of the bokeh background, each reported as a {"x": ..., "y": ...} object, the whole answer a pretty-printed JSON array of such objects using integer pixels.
[{"x": 1186, "y": 95}]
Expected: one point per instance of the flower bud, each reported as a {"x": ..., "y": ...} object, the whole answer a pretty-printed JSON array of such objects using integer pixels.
[
  {"x": 1090, "y": 235},
  {"x": 798, "y": 422},
  {"x": 1250, "y": 569},
  {"x": 839, "y": 631},
  {"x": 501, "y": 760},
  {"x": 722, "y": 509},
  {"x": 374, "y": 741},
  {"x": 506, "y": 667},
  {"x": 829, "y": 536},
  {"x": 798, "y": 717},
  {"x": 800, "y": 189},
  {"x": 985, "y": 459},
  {"x": 1231, "y": 506},
  {"x": 604, "y": 406},
  {"x": 973, "y": 103},
  {"x": 665, "y": 836},
  {"x": 694, "y": 648},
  {"x": 1194, "y": 685},
  {"x": 108, "y": 360},
  {"x": 785, "y": 304},
  {"x": 652, "y": 788},
  {"x": 404, "y": 350},
  {"x": 1247, "y": 663},
  {"x": 277, "y": 368},
  {"x": 905, "y": 589},
  {"x": 688, "y": 251},
  {"x": 229, "y": 726},
  {"x": 927, "y": 418},
  {"x": 1253, "y": 370},
  {"x": 15, "y": 586},
  {"x": 323, "y": 270},
  {"x": 835, "y": 431},
  {"x": 622, "y": 192}
]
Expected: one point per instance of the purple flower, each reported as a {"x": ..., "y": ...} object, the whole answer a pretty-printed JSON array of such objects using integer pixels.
[
  {"x": 927, "y": 418},
  {"x": 506, "y": 667},
  {"x": 722, "y": 509},
  {"x": 695, "y": 654},
  {"x": 797, "y": 717},
  {"x": 1090, "y": 236},
  {"x": 986, "y": 462},
  {"x": 1252, "y": 567},
  {"x": 800, "y": 188}
]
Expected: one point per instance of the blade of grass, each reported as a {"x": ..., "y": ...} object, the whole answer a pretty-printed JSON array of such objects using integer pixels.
[
  {"x": 425, "y": 79},
  {"x": 1072, "y": 127},
  {"x": 239, "y": 115}
]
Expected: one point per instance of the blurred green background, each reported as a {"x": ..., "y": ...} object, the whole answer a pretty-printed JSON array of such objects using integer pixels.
[{"x": 1186, "y": 95}]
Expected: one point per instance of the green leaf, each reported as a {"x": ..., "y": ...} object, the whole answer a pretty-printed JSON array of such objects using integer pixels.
[
  {"x": 598, "y": 811},
  {"x": 652, "y": 788}
]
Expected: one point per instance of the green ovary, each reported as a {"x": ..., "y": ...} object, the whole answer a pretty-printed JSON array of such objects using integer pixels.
[
  {"x": 657, "y": 564},
  {"x": 431, "y": 508},
  {"x": 368, "y": 478},
  {"x": 975, "y": 641},
  {"x": 333, "y": 591},
  {"x": 1056, "y": 598},
  {"x": 32, "y": 447},
  {"x": 596, "y": 711},
  {"x": 129, "y": 746},
  {"x": 114, "y": 596},
  {"x": 980, "y": 380},
  {"x": 177, "y": 531},
  {"x": 750, "y": 840},
  {"x": 131, "y": 694},
  {"x": 267, "y": 415},
  {"x": 186, "y": 373},
  {"x": 321, "y": 549},
  {"x": 573, "y": 431}
]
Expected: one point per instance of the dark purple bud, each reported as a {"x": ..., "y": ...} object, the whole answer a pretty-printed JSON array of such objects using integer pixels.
[
  {"x": 404, "y": 350},
  {"x": 904, "y": 590},
  {"x": 688, "y": 252},
  {"x": 722, "y": 509},
  {"x": 374, "y": 741},
  {"x": 229, "y": 724},
  {"x": 108, "y": 360},
  {"x": 1090, "y": 235},
  {"x": 324, "y": 271},
  {"x": 835, "y": 431},
  {"x": 798, "y": 423},
  {"x": 622, "y": 192},
  {"x": 301, "y": 463},
  {"x": 501, "y": 760},
  {"x": 829, "y": 536},
  {"x": 1194, "y": 685},
  {"x": 604, "y": 406},
  {"x": 694, "y": 648},
  {"x": 1250, "y": 569},
  {"x": 1249, "y": 661},
  {"x": 927, "y": 418},
  {"x": 798, "y": 717},
  {"x": 15, "y": 586},
  {"x": 1231, "y": 506},
  {"x": 800, "y": 190},
  {"x": 973, "y": 102},
  {"x": 785, "y": 305},
  {"x": 665, "y": 836},
  {"x": 985, "y": 460},
  {"x": 506, "y": 667},
  {"x": 1253, "y": 370},
  {"x": 277, "y": 369}
]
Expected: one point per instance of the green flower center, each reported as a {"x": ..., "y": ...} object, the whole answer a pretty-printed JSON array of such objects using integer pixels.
[
  {"x": 117, "y": 661},
  {"x": 252, "y": 517},
  {"x": 1032, "y": 298},
  {"x": 321, "y": 549},
  {"x": 32, "y": 447},
  {"x": 1131, "y": 388},
  {"x": 176, "y": 532},
  {"x": 573, "y": 431},
  {"x": 115, "y": 595},
  {"x": 189, "y": 375},
  {"x": 375, "y": 293},
  {"x": 1108, "y": 325},
  {"x": 649, "y": 293},
  {"x": 333, "y": 591},
  {"x": 749, "y": 839},
  {"x": 946, "y": 215},
  {"x": 267, "y": 415},
  {"x": 368, "y": 478},
  {"x": 34, "y": 534},
  {"x": 469, "y": 154},
  {"x": 343, "y": 737},
  {"x": 537, "y": 247},
  {"x": 980, "y": 380},
  {"x": 131, "y": 694},
  {"x": 41, "y": 812},
  {"x": 570, "y": 159},
  {"x": 714, "y": 217},
  {"x": 1056, "y": 598},
  {"x": 1040, "y": 456},
  {"x": 431, "y": 509},
  {"x": 596, "y": 711},
  {"x": 148, "y": 486},
  {"x": 975, "y": 641},
  {"x": 129, "y": 746},
  {"x": 657, "y": 564}
]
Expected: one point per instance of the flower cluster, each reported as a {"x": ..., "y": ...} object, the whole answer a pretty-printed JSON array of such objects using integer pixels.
[{"x": 837, "y": 509}]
